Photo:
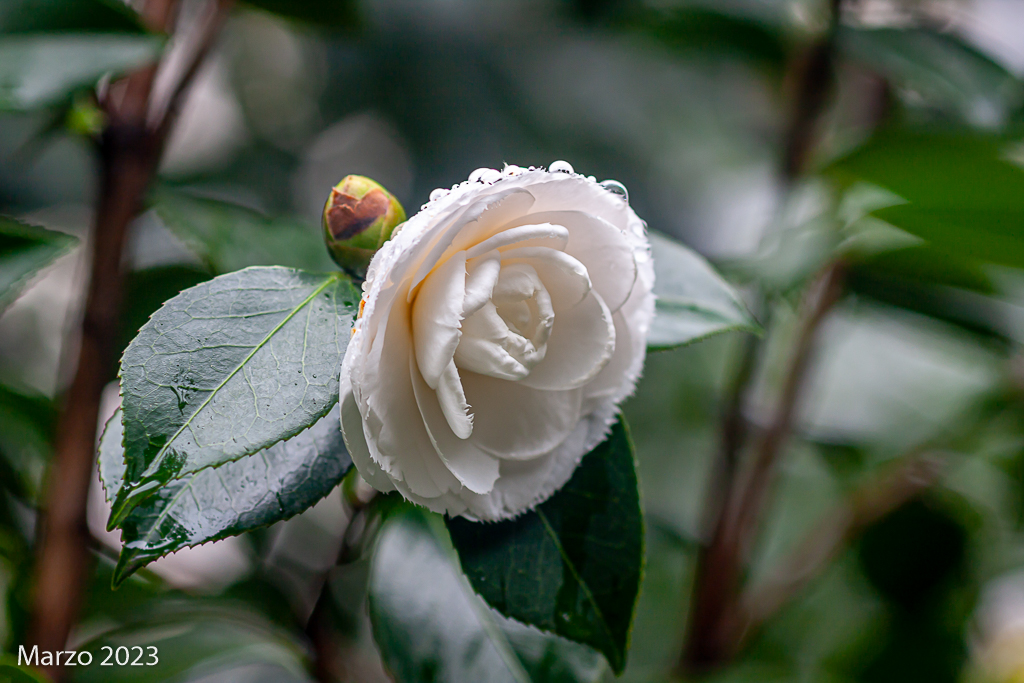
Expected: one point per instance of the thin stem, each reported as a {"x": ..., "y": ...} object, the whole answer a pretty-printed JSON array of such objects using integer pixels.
[
  {"x": 710, "y": 637},
  {"x": 129, "y": 154},
  {"x": 713, "y": 635}
]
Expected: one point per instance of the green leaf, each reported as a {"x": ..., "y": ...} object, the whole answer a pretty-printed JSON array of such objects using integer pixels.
[
  {"x": 195, "y": 640},
  {"x": 572, "y": 566},
  {"x": 329, "y": 13},
  {"x": 938, "y": 67},
  {"x": 11, "y": 672},
  {"x": 24, "y": 249},
  {"x": 963, "y": 193},
  {"x": 228, "y": 368},
  {"x": 924, "y": 279},
  {"x": 948, "y": 169},
  {"x": 995, "y": 236},
  {"x": 146, "y": 290},
  {"x": 715, "y": 30},
  {"x": 26, "y": 425},
  {"x": 42, "y": 70},
  {"x": 277, "y": 483},
  {"x": 694, "y": 302},
  {"x": 431, "y": 627},
  {"x": 61, "y": 16},
  {"x": 228, "y": 236}
]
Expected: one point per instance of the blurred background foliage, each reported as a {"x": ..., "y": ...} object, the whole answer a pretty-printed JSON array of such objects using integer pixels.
[{"x": 914, "y": 182}]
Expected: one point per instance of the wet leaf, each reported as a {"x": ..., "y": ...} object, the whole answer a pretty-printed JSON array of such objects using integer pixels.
[
  {"x": 694, "y": 302},
  {"x": 276, "y": 483},
  {"x": 431, "y": 627},
  {"x": 24, "y": 249},
  {"x": 228, "y": 368},
  {"x": 572, "y": 566}
]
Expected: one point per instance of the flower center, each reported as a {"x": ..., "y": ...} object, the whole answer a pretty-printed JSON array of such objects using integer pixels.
[{"x": 507, "y": 335}]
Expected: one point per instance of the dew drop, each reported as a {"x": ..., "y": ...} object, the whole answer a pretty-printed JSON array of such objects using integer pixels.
[
  {"x": 438, "y": 193},
  {"x": 560, "y": 167},
  {"x": 615, "y": 187},
  {"x": 478, "y": 174},
  {"x": 490, "y": 176}
]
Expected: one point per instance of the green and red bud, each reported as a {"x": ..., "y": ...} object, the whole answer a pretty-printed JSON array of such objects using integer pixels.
[{"x": 359, "y": 217}]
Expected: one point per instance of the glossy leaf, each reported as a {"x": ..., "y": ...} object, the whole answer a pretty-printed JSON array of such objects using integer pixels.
[
  {"x": 995, "y": 236},
  {"x": 431, "y": 627},
  {"x": 277, "y": 483},
  {"x": 41, "y": 70},
  {"x": 146, "y": 290},
  {"x": 694, "y": 302},
  {"x": 24, "y": 249},
  {"x": 572, "y": 566},
  {"x": 229, "y": 237},
  {"x": 939, "y": 68},
  {"x": 963, "y": 193},
  {"x": 193, "y": 640},
  {"x": 228, "y": 368},
  {"x": 60, "y": 16},
  {"x": 956, "y": 169}
]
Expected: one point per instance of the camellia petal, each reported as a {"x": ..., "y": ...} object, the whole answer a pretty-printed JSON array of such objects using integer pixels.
[
  {"x": 601, "y": 248},
  {"x": 394, "y": 418},
  {"x": 542, "y": 235},
  {"x": 437, "y": 316},
  {"x": 581, "y": 344},
  {"x": 539, "y": 422},
  {"x": 474, "y": 468},
  {"x": 501, "y": 327}
]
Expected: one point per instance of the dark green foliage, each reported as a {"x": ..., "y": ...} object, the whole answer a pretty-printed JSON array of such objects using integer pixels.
[
  {"x": 431, "y": 627},
  {"x": 913, "y": 553},
  {"x": 945, "y": 73},
  {"x": 24, "y": 249},
  {"x": 68, "y": 16},
  {"x": 228, "y": 236},
  {"x": 199, "y": 393},
  {"x": 573, "y": 566}
]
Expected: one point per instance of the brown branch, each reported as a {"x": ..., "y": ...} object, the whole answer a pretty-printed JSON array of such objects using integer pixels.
[
  {"x": 129, "y": 153},
  {"x": 872, "y": 501},
  {"x": 713, "y": 618}
]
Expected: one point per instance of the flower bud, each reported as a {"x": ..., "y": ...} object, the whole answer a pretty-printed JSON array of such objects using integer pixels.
[{"x": 358, "y": 219}]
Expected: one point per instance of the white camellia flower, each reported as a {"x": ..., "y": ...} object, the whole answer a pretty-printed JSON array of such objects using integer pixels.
[{"x": 500, "y": 328}]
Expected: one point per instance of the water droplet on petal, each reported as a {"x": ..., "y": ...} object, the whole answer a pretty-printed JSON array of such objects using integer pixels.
[
  {"x": 478, "y": 174},
  {"x": 438, "y": 193},
  {"x": 511, "y": 169},
  {"x": 490, "y": 176},
  {"x": 615, "y": 187},
  {"x": 560, "y": 167}
]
